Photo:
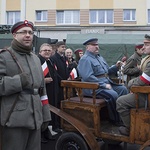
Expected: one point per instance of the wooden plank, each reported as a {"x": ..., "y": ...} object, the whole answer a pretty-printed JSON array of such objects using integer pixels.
[
  {"x": 79, "y": 84},
  {"x": 132, "y": 125},
  {"x": 140, "y": 89},
  {"x": 142, "y": 125}
]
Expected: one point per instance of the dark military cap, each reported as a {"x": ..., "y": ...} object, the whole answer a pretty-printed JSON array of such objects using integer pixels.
[
  {"x": 78, "y": 50},
  {"x": 20, "y": 25},
  {"x": 147, "y": 38},
  {"x": 91, "y": 41}
]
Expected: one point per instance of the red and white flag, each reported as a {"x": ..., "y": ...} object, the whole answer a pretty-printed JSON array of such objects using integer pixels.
[
  {"x": 73, "y": 73},
  {"x": 44, "y": 100},
  {"x": 45, "y": 68}
]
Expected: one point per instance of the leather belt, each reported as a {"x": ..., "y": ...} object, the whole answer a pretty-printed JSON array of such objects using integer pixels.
[
  {"x": 30, "y": 91},
  {"x": 102, "y": 75}
]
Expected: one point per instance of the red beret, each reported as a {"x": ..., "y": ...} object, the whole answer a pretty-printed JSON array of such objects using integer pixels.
[
  {"x": 77, "y": 51},
  {"x": 139, "y": 46},
  {"x": 20, "y": 25}
]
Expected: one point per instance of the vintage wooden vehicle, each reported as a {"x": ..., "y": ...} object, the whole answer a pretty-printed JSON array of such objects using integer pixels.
[{"x": 84, "y": 119}]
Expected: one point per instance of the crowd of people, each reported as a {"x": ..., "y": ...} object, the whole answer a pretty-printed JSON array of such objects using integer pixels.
[{"x": 29, "y": 83}]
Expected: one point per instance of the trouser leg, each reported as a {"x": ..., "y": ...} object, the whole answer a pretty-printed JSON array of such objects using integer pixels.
[
  {"x": 21, "y": 139},
  {"x": 34, "y": 140},
  {"x": 111, "y": 96},
  {"x": 125, "y": 103},
  {"x": 123, "y": 106},
  {"x": 113, "y": 114}
]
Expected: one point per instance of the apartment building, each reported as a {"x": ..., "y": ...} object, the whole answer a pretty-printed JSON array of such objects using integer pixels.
[{"x": 57, "y": 18}]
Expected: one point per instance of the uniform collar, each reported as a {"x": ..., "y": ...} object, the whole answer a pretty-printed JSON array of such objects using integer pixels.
[{"x": 91, "y": 54}]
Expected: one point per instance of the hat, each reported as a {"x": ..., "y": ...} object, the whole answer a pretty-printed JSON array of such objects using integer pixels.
[
  {"x": 77, "y": 51},
  {"x": 139, "y": 46},
  {"x": 59, "y": 43},
  {"x": 147, "y": 38},
  {"x": 91, "y": 41},
  {"x": 20, "y": 25}
]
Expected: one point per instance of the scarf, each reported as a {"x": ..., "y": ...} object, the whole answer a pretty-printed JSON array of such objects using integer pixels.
[{"x": 21, "y": 48}]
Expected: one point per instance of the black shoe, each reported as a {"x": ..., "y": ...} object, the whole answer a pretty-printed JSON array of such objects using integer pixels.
[
  {"x": 124, "y": 131},
  {"x": 44, "y": 140},
  {"x": 58, "y": 130},
  {"x": 50, "y": 137}
]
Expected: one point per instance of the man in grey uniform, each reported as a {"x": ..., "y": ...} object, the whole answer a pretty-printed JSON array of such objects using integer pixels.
[
  {"x": 126, "y": 102},
  {"x": 24, "y": 104},
  {"x": 93, "y": 68}
]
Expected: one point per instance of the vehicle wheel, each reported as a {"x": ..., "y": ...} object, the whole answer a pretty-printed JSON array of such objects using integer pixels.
[
  {"x": 111, "y": 142},
  {"x": 70, "y": 141}
]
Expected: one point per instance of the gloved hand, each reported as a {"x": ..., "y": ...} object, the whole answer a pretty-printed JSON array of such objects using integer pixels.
[
  {"x": 25, "y": 79},
  {"x": 44, "y": 126}
]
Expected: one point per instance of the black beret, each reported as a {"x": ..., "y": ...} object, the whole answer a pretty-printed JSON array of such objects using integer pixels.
[
  {"x": 90, "y": 41},
  {"x": 20, "y": 25}
]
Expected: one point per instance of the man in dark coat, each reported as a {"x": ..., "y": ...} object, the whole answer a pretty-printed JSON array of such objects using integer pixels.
[{"x": 61, "y": 65}]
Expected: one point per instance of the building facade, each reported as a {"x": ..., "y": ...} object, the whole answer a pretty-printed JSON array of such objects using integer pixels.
[{"x": 57, "y": 18}]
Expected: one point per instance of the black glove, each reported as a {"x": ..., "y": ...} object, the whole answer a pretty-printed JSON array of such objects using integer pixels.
[
  {"x": 44, "y": 126},
  {"x": 25, "y": 79}
]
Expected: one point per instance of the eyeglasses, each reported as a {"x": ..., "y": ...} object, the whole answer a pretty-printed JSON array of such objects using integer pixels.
[
  {"x": 25, "y": 32},
  {"x": 46, "y": 50}
]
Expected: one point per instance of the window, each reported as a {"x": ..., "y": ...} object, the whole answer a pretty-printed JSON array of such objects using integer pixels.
[
  {"x": 129, "y": 15},
  {"x": 13, "y": 17},
  {"x": 68, "y": 17},
  {"x": 148, "y": 15},
  {"x": 41, "y": 15},
  {"x": 101, "y": 16}
]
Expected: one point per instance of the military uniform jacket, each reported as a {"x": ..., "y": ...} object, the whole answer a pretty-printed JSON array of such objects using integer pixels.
[
  {"x": 131, "y": 68},
  {"x": 92, "y": 66},
  {"x": 143, "y": 79},
  {"x": 29, "y": 111}
]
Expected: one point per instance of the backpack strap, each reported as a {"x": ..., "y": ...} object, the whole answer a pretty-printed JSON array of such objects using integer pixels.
[
  {"x": 17, "y": 62},
  {"x": 14, "y": 58}
]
